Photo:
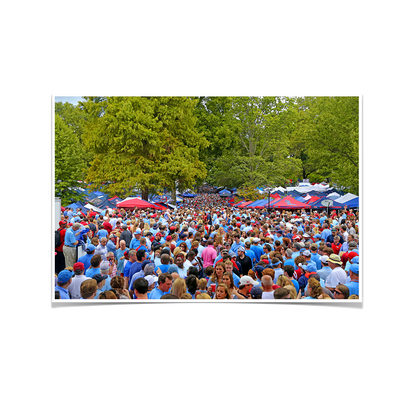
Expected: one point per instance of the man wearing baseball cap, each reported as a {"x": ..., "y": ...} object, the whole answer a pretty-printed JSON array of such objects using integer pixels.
[
  {"x": 64, "y": 279},
  {"x": 326, "y": 270},
  {"x": 338, "y": 275},
  {"x": 85, "y": 259},
  {"x": 101, "y": 281},
  {"x": 74, "y": 288},
  {"x": 135, "y": 242},
  {"x": 353, "y": 285},
  {"x": 246, "y": 283}
]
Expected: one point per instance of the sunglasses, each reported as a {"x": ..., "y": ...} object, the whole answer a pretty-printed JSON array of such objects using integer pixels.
[{"x": 337, "y": 292}]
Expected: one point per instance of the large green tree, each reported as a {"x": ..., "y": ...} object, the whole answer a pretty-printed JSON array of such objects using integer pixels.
[
  {"x": 249, "y": 144},
  {"x": 328, "y": 135},
  {"x": 143, "y": 143},
  {"x": 68, "y": 162}
]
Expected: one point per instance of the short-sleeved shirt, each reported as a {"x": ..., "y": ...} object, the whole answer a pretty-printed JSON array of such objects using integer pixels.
[
  {"x": 70, "y": 237},
  {"x": 336, "y": 277}
]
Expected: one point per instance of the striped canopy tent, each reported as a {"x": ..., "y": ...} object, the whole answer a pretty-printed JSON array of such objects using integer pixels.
[
  {"x": 318, "y": 204},
  {"x": 290, "y": 203},
  {"x": 137, "y": 203},
  {"x": 245, "y": 203}
]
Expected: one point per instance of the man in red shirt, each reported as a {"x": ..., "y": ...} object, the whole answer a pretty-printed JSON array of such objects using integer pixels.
[
  {"x": 336, "y": 245},
  {"x": 107, "y": 226}
]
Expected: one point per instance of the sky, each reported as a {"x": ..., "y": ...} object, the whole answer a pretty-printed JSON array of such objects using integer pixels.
[{"x": 68, "y": 99}]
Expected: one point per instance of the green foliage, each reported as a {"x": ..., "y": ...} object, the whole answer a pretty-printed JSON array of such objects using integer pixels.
[
  {"x": 248, "y": 144},
  {"x": 143, "y": 143},
  {"x": 329, "y": 132},
  {"x": 69, "y": 165},
  {"x": 147, "y": 143},
  {"x": 270, "y": 140},
  {"x": 74, "y": 118}
]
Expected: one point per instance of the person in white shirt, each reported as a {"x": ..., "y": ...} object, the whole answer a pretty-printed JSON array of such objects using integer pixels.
[
  {"x": 338, "y": 276},
  {"x": 182, "y": 266},
  {"x": 268, "y": 292},
  {"x": 74, "y": 288}
]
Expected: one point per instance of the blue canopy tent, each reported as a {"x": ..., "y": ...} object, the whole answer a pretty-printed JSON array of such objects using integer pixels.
[
  {"x": 225, "y": 193},
  {"x": 353, "y": 203},
  {"x": 318, "y": 204},
  {"x": 262, "y": 203},
  {"x": 188, "y": 194},
  {"x": 253, "y": 204}
]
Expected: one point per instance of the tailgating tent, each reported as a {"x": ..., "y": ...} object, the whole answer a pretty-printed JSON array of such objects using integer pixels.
[
  {"x": 290, "y": 203},
  {"x": 136, "y": 203},
  {"x": 353, "y": 203},
  {"x": 317, "y": 204},
  {"x": 225, "y": 193},
  {"x": 245, "y": 203},
  {"x": 346, "y": 197}
]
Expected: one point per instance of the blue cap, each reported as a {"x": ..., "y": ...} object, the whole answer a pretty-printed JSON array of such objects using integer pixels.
[
  {"x": 64, "y": 276},
  {"x": 172, "y": 268},
  {"x": 259, "y": 269},
  {"x": 310, "y": 267},
  {"x": 256, "y": 292},
  {"x": 354, "y": 268},
  {"x": 90, "y": 248},
  {"x": 355, "y": 260}
]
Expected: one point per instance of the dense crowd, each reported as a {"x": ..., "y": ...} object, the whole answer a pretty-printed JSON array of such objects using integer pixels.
[{"x": 206, "y": 249}]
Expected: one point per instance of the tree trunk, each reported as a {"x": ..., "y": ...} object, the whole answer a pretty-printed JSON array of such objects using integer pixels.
[
  {"x": 145, "y": 194},
  {"x": 173, "y": 193}
]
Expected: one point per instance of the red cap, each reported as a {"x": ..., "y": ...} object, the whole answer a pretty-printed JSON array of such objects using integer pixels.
[
  {"x": 62, "y": 223},
  {"x": 168, "y": 238},
  {"x": 79, "y": 266},
  {"x": 238, "y": 224},
  {"x": 352, "y": 254}
]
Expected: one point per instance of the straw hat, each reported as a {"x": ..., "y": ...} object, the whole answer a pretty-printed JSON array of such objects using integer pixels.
[{"x": 335, "y": 259}]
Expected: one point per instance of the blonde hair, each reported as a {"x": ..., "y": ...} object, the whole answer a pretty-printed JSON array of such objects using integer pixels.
[
  {"x": 292, "y": 290},
  {"x": 186, "y": 296},
  {"x": 202, "y": 284},
  {"x": 203, "y": 296},
  {"x": 178, "y": 287}
]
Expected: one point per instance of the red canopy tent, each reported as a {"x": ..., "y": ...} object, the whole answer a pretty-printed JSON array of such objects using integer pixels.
[
  {"x": 245, "y": 204},
  {"x": 137, "y": 203},
  {"x": 290, "y": 203}
]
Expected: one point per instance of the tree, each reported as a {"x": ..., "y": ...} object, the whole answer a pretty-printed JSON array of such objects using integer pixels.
[
  {"x": 329, "y": 128},
  {"x": 249, "y": 145},
  {"x": 143, "y": 142},
  {"x": 69, "y": 165},
  {"x": 74, "y": 118}
]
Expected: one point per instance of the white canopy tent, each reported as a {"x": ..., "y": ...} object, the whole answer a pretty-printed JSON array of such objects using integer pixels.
[{"x": 346, "y": 197}]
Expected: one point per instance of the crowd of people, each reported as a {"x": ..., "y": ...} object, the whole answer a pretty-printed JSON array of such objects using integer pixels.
[{"x": 208, "y": 250}]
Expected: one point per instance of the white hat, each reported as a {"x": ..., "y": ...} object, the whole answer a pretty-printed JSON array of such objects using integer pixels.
[
  {"x": 256, "y": 240},
  {"x": 150, "y": 279},
  {"x": 324, "y": 259},
  {"x": 247, "y": 280},
  {"x": 137, "y": 232}
]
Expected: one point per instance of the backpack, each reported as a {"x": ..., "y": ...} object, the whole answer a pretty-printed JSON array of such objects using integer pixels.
[{"x": 58, "y": 238}]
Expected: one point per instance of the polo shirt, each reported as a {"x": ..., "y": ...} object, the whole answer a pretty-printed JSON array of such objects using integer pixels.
[
  {"x": 258, "y": 251},
  {"x": 92, "y": 271},
  {"x": 209, "y": 254},
  {"x": 64, "y": 294},
  {"x": 315, "y": 257},
  {"x": 156, "y": 294},
  {"x": 353, "y": 287},
  {"x": 134, "y": 244},
  {"x": 70, "y": 237},
  {"x": 85, "y": 260},
  {"x": 127, "y": 268},
  {"x": 74, "y": 288},
  {"x": 324, "y": 272}
]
